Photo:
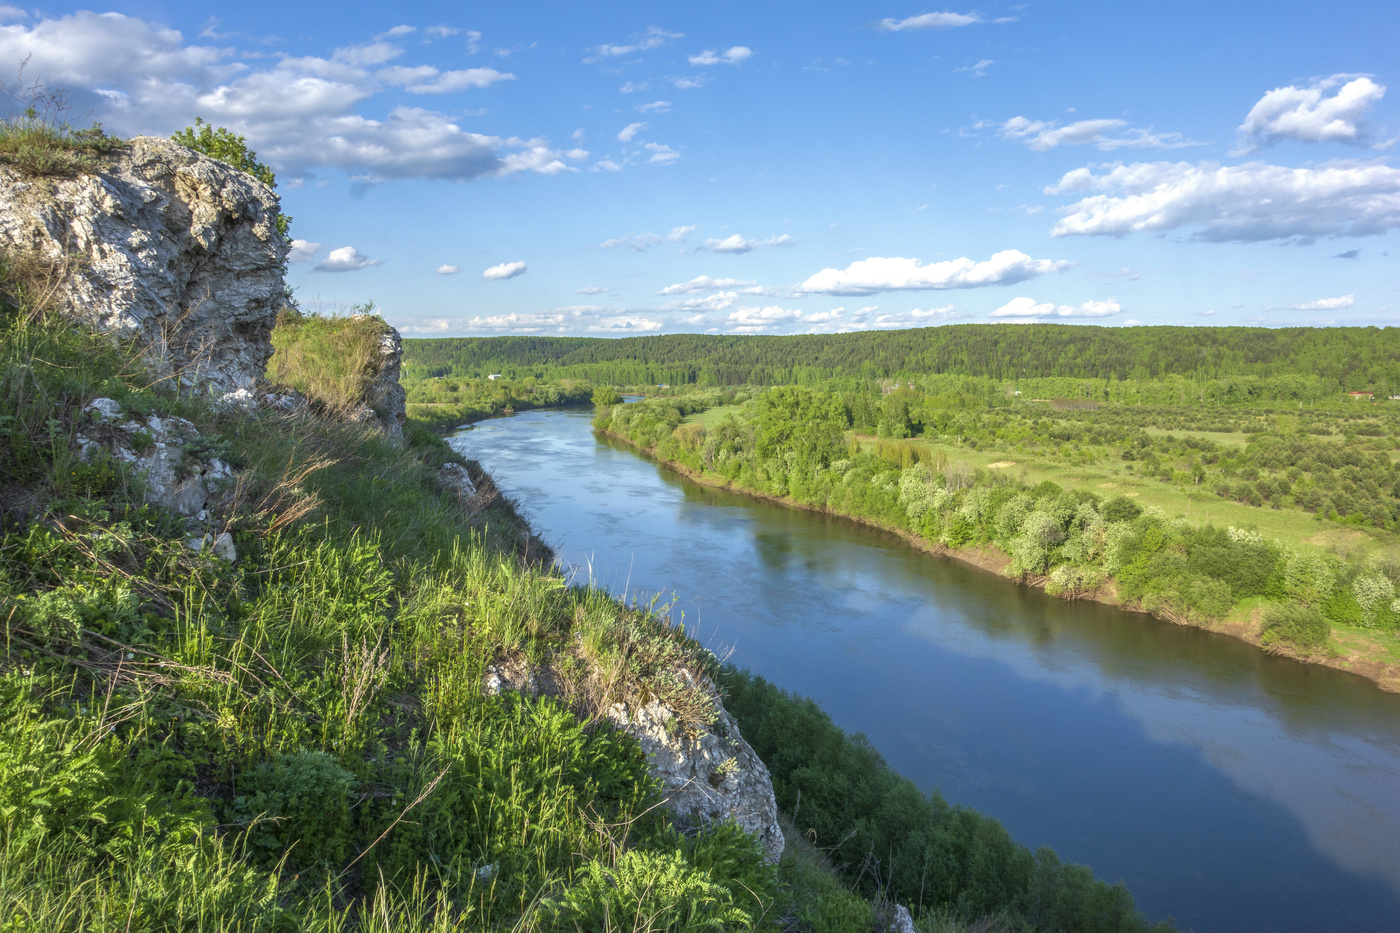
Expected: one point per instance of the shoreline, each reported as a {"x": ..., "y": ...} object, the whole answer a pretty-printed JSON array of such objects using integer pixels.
[{"x": 992, "y": 561}]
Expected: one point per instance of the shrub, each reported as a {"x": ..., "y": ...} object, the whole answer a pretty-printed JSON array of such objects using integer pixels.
[
  {"x": 1120, "y": 509},
  {"x": 1303, "y": 626},
  {"x": 299, "y": 802}
]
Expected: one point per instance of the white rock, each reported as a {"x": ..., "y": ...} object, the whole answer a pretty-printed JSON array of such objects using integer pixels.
[
  {"x": 106, "y": 409},
  {"x": 167, "y": 246},
  {"x": 456, "y": 480},
  {"x": 222, "y": 546}
]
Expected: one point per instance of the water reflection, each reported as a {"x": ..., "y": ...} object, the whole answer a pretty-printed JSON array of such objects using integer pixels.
[{"x": 1230, "y": 788}]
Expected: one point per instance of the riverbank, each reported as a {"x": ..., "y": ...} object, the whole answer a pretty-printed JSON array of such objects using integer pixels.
[{"x": 1351, "y": 656}]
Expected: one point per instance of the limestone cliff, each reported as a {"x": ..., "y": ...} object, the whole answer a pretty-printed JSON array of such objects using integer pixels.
[{"x": 165, "y": 245}]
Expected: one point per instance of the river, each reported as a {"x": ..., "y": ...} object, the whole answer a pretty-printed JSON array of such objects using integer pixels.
[{"x": 1229, "y": 788}]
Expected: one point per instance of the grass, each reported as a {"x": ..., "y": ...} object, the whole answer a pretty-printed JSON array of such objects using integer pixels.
[
  {"x": 46, "y": 149},
  {"x": 330, "y": 360},
  {"x": 301, "y": 739}
]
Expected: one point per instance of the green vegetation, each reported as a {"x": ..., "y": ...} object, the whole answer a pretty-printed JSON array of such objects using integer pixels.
[
  {"x": 1134, "y": 365},
  {"x": 950, "y": 468},
  {"x": 896, "y": 843},
  {"x": 442, "y": 404},
  {"x": 330, "y": 360},
  {"x": 230, "y": 148},
  {"x": 300, "y": 740}
]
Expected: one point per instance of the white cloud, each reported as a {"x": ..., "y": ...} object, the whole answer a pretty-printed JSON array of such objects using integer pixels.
[
  {"x": 1249, "y": 202},
  {"x": 506, "y": 270},
  {"x": 680, "y": 233},
  {"x": 345, "y": 259},
  {"x": 1322, "y": 304},
  {"x": 683, "y": 83},
  {"x": 656, "y": 106},
  {"x": 627, "y": 132},
  {"x": 591, "y": 290},
  {"x": 758, "y": 320},
  {"x": 300, "y": 113},
  {"x": 979, "y": 69},
  {"x": 1029, "y": 308},
  {"x": 719, "y": 301},
  {"x": 661, "y": 153},
  {"x": 1308, "y": 115},
  {"x": 732, "y": 56},
  {"x": 636, "y": 242},
  {"x": 401, "y": 31},
  {"x": 605, "y": 165},
  {"x": 426, "y": 79},
  {"x": 879, "y": 274},
  {"x": 738, "y": 244},
  {"x": 303, "y": 251},
  {"x": 442, "y": 32},
  {"x": 632, "y": 87},
  {"x": 1041, "y": 135},
  {"x": 702, "y": 283},
  {"x": 653, "y": 38},
  {"x": 622, "y": 324},
  {"x": 929, "y": 21},
  {"x": 448, "y": 270}
]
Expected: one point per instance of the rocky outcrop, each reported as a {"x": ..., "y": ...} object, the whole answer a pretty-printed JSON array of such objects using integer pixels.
[
  {"x": 384, "y": 398},
  {"x": 707, "y": 777},
  {"x": 167, "y": 246},
  {"x": 165, "y": 455},
  {"x": 708, "y": 774}
]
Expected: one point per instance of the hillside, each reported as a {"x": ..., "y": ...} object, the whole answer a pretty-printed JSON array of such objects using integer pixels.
[{"x": 1303, "y": 361}]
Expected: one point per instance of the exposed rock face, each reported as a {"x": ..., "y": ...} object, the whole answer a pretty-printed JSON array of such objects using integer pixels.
[
  {"x": 384, "y": 397},
  {"x": 708, "y": 777},
  {"x": 166, "y": 245},
  {"x": 164, "y": 452}
]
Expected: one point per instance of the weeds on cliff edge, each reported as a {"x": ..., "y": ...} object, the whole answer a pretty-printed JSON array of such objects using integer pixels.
[
  {"x": 330, "y": 360},
  {"x": 37, "y": 139}
]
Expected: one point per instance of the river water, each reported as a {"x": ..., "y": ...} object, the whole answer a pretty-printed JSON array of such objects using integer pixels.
[{"x": 1228, "y": 788}]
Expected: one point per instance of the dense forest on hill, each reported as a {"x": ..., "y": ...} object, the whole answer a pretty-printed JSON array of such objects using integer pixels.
[{"x": 1305, "y": 363}]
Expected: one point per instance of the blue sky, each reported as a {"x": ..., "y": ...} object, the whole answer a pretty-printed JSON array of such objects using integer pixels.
[{"x": 614, "y": 168}]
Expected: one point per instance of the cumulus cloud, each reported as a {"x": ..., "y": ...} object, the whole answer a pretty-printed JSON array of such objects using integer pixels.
[
  {"x": 880, "y": 274},
  {"x": 448, "y": 270},
  {"x": 625, "y": 134},
  {"x": 1309, "y": 114},
  {"x": 702, "y": 283},
  {"x": 1105, "y": 135},
  {"x": 345, "y": 259},
  {"x": 680, "y": 233},
  {"x": 300, "y": 112},
  {"x": 731, "y": 56},
  {"x": 758, "y": 320},
  {"x": 719, "y": 301},
  {"x": 654, "y": 37},
  {"x": 739, "y": 244},
  {"x": 506, "y": 270},
  {"x": 1322, "y": 304},
  {"x": 303, "y": 251},
  {"x": 1029, "y": 308},
  {"x": 1249, "y": 202},
  {"x": 661, "y": 153},
  {"x": 929, "y": 21}
]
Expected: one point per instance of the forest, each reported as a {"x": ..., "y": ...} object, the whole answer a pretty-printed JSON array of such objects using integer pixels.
[{"x": 1225, "y": 364}]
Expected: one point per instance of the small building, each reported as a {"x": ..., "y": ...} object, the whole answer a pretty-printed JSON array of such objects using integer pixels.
[
  {"x": 1358, "y": 396},
  {"x": 494, "y": 376}
]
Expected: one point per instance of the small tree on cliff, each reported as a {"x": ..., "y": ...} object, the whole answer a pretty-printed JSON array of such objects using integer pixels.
[{"x": 227, "y": 146}]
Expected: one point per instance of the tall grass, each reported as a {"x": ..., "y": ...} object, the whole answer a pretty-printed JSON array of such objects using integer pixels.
[{"x": 330, "y": 360}]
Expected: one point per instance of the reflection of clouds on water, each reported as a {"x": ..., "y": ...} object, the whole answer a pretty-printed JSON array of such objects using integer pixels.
[{"x": 1225, "y": 785}]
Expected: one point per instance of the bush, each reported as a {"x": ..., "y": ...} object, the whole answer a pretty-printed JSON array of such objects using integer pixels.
[
  {"x": 1120, "y": 509},
  {"x": 1299, "y": 625},
  {"x": 297, "y": 803}
]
